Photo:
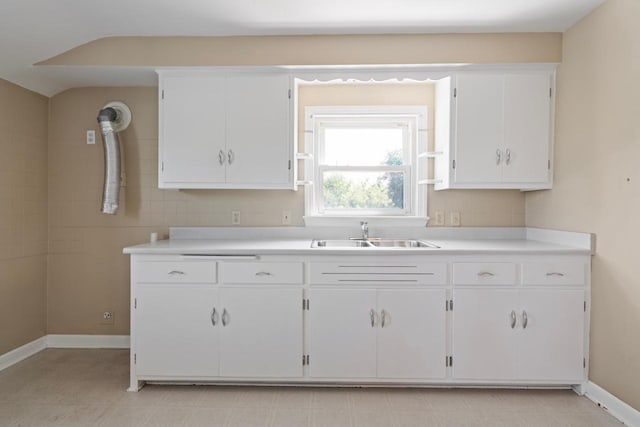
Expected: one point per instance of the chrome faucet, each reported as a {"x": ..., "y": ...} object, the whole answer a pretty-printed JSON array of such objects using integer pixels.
[{"x": 365, "y": 230}]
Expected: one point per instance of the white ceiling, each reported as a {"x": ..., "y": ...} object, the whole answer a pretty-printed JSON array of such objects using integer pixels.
[{"x": 35, "y": 30}]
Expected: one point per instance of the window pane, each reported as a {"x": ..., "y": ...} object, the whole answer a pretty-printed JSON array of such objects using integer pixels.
[
  {"x": 363, "y": 190},
  {"x": 363, "y": 146}
]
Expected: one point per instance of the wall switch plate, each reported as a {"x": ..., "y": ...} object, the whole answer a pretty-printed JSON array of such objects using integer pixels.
[
  {"x": 439, "y": 218},
  {"x": 286, "y": 218},
  {"x": 235, "y": 217},
  {"x": 91, "y": 136},
  {"x": 455, "y": 219}
]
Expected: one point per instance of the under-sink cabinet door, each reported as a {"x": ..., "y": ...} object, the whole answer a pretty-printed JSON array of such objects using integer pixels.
[
  {"x": 342, "y": 330},
  {"x": 261, "y": 332},
  {"x": 177, "y": 330},
  {"x": 485, "y": 324},
  {"x": 551, "y": 345},
  {"x": 411, "y": 336}
]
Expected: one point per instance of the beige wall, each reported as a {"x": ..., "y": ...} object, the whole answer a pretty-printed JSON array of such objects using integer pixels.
[
  {"x": 87, "y": 271},
  {"x": 597, "y": 177},
  {"x": 23, "y": 215},
  {"x": 478, "y": 208},
  {"x": 316, "y": 50}
]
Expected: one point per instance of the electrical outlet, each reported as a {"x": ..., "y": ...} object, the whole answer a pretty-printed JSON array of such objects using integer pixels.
[
  {"x": 286, "y": 218},
  {"x": 455, "y": 219},
  {"x": 439, "y": 218},
  {"x": 108, "y": 318},
  {"x": 91, "y": 136},
  {"x": 235, "y": 217}
]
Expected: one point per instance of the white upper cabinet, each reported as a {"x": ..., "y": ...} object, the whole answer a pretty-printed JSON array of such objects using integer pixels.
[
  {"x": 223, "y": 130},
  {"x": 501, "y": 131}
]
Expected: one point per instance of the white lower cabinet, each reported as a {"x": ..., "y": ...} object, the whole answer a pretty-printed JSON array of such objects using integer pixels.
[
  {"x": 369, "y": 333},
  {"x": 175, "y": 332},
  {"x": 518, "y": 335},
  {"x": 204, "y": 331},
  {"x": 261, "y": 334}
]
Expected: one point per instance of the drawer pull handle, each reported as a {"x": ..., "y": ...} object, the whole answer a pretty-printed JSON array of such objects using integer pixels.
[
  {"x": 555, "y": 274},
  {"x": 214, "y": 317},
  {"x": 373, "y": 316},
  {"x": 225, "y": 317},
  {"x": 176, "y": 272},
  {"x": 486, "y": 274},
  {"x": 514, "y": 319},
  {"x": 263, "y": 273},
  {"x": 383, "y": 318},
  {"x": 525, "y": 319}
]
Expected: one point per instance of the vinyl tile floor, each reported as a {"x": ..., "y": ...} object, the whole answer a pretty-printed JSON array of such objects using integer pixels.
[{"x": 61, "y": 387}]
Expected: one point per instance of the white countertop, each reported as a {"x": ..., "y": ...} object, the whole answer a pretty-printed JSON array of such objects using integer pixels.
[{"x": 276, "y": 246}]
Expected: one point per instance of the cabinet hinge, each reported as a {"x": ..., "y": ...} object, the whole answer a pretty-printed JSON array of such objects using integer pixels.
[
  {"x": 289, "y": 93},
  {"x": 162, "y": 93},
  {"x": 585, "y": 306},
  {"x": 455, "y": 92},
  {"x": 454, "y": 163},
  {"x": 550, "y": 92},
  {"x": 135, "y": 303},
  {"x": 549, "y": 164},
  {"x": 289, "y": 164},
  {"x": 135, "y": 358},
  {"x": 162, "y": 167},
  {"x": 584, "y": 362}
]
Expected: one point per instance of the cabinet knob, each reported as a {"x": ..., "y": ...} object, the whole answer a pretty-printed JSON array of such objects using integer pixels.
[
  {"x": 525, "y": 319},
  {"x": 498, "y": 156},
  {"x": 225, "y": 317},
  {"x": 214, "y": 317},
  {"x": 231, "y": 156},
  {"x": 383, "y": 318},
  {"x": 372, "y": 314},
  {"x": 507, "y": 154},
  {"x": 221, "y": 157},
  {"x": 514, "y": 319}
]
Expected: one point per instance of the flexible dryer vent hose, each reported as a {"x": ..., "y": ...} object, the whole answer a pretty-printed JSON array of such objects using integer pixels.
[{"x": 112, "y": 118}]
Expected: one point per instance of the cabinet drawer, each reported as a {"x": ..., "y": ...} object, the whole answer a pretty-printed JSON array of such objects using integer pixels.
[
  {"x": 381, "y": 273},
  {"x": 262, "y": 272},
  {"x": 553, "y": 273},
  {"x": 491, "y": 273},
  {"x": 195, "y": 271}
]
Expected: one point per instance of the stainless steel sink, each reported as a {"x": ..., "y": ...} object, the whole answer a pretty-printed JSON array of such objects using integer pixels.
[
  {"x": 341, "y": 244},
  {"x": 373, "y": 243},
  {"x": 402, "y": 243}
]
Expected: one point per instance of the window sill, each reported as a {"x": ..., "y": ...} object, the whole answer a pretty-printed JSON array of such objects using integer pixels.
[{"x": 375, "y": 221}]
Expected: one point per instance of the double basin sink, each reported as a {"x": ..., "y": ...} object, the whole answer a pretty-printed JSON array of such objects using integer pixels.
[{"x": 373, "y": 243}]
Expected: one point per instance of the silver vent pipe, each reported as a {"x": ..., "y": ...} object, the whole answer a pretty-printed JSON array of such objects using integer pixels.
[{"x": 113, "y": 118}]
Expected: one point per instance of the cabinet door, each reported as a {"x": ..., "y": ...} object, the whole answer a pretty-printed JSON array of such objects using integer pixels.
[
  {"x": 175, "y": 331},
  {"x": 261, "y": 332},
  {"x": 258, "y": 134},
  {"x": 527, "y": 134},
  {"x": 192, "y": 130},
  {"x": 484, "y": 343},
  {"x": 411, "y": 337},
  {"x": 479, "y": 127},
  {"x": 342, "y": 334},
  {"x": 551, "y": 346}
]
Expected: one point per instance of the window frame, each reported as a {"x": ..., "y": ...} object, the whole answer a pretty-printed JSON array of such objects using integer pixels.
[{"x": 412, "y": 118}]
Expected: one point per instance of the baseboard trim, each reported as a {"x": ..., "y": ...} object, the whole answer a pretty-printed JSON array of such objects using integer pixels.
[
  {"x": 88, "y": 341},
  {"x": 614, "y": 406},
  {"x": 22, "y": 352}
]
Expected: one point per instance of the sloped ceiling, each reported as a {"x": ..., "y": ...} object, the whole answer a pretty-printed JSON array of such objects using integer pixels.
[{"x": 32, "y": 31}]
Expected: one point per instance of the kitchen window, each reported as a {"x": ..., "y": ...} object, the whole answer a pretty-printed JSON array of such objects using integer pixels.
[{"x": 365, "y": 162}]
